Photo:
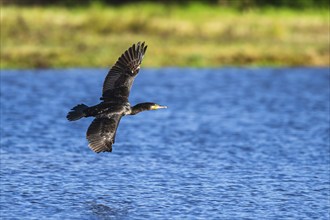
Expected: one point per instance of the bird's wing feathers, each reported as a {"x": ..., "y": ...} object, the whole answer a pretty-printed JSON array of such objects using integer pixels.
[
  {"x": 101, "y": 133},
  {"x": 118, "y": 82}
]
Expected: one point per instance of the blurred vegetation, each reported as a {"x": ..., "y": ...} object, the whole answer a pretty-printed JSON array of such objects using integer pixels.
[
  {"x": 242, "y": 4},
  {"x": 191, "y": 34}
]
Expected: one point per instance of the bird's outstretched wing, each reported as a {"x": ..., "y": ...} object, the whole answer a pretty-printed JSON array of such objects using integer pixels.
[
  {"x": 118, "y": 82},
  {"x": 102, "y": 132}
]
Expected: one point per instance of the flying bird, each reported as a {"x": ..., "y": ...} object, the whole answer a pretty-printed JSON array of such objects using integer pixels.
[{"x": 114, "y": 105}]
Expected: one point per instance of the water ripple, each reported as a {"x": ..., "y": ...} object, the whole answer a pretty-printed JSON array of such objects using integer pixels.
[{"x": 233, "y": 144}]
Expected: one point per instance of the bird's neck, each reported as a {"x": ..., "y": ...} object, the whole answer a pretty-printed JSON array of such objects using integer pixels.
[{"x": 139, "y": 108}]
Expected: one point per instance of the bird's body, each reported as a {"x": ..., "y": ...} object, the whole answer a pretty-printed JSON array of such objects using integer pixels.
[
  {"x": 116, "y": 88},
  {"x": 106, "y": 108}
]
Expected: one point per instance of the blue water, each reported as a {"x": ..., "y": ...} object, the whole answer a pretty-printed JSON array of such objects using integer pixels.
[{"x": 233, "y": 144}]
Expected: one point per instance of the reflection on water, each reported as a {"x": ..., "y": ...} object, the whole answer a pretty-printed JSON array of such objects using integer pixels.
[
  {"x": 234, "y": 143},
  {"x": 102, "y": 211}
]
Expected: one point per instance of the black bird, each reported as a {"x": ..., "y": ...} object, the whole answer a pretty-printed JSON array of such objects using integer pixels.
[{"x": 116, "y": 88}]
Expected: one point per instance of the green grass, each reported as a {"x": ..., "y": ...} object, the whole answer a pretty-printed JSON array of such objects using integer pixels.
[{"x": 194, "y": 35}]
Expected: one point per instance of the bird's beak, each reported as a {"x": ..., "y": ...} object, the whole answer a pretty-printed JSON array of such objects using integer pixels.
[
  {"x": 155, "y": 107},
  {"x": 161, "y": 106}
]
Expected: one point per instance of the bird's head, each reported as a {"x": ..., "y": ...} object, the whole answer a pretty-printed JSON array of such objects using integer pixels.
[
  {"x": 150, "y": 106},
  {"x": 146, "y": 106}
]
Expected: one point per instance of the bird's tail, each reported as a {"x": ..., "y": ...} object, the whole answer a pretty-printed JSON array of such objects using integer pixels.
[{"x": 77, "y": 112}]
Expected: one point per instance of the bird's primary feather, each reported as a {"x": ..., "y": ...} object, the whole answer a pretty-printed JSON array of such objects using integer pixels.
[
  {"x": 119, "y": 80},
  {"x": 101, "y": 133}
]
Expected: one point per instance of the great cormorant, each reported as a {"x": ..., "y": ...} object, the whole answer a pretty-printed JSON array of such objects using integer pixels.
[{"x": 116, "y": 88}]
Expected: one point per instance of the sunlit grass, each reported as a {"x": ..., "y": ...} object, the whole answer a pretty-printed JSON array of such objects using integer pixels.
[{"x": 193, "y": 35}]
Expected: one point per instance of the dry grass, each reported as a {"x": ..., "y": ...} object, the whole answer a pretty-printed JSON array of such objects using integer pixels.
[{"x": 193, "y": 35}]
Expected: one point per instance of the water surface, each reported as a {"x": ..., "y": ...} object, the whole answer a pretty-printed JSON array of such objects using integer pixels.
[{"x": 233, "y": 144}]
